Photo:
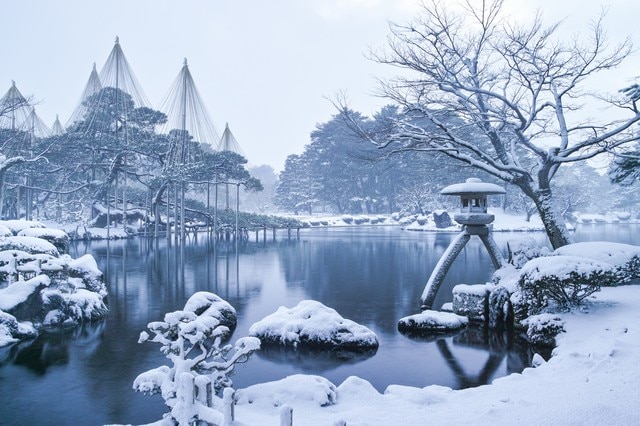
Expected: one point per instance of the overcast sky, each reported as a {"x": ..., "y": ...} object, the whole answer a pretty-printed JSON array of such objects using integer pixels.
[{"x": 264, "y": 66}]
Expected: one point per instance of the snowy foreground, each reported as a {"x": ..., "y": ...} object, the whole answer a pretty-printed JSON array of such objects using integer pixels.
[{"x": 592, "y": 378}]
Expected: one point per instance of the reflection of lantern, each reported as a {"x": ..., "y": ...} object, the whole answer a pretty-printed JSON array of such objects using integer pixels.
[
  {"x": 474, "y": 219},
  {"x": 473, "y": 200}
]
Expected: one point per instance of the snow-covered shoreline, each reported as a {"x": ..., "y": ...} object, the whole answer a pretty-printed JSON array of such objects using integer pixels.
[
  {"x": 504, "y": 222},
  {"x": 592, "y": 378}
]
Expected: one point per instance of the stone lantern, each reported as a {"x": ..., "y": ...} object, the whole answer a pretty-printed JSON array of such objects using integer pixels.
[
  {"x": 474, "y": 219},
  {"x": 473, "y": 201}
]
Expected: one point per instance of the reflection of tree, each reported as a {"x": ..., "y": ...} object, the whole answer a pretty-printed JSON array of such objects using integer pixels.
[
  {"x": 52, "y": 347},
  {"x": 314, "y": 359}
]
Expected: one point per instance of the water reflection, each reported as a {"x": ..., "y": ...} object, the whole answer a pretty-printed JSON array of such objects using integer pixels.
[
  {"x": 314, "y": 360},
  {"x": 495, "y": 346},
  {"x": 51, "y": 347}
]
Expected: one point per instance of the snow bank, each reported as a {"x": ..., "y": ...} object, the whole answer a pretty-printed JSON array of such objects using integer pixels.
[
  {"x": 314, "y": 391},
  {"x": 312, "y": 323},
  {"x": 503, "y": 222},
  {"x": 592, "y": 378}
]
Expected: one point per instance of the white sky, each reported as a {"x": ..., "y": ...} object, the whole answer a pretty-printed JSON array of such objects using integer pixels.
[{"x": 265, "y": 67}]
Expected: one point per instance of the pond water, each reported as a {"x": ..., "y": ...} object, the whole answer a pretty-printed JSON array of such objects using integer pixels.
[{"x": 372, "y": 275}]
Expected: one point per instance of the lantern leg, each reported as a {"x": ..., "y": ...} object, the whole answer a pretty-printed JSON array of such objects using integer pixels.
[
  {"x": 494, "y": 251},
  {"x": 441, "y": 269}
]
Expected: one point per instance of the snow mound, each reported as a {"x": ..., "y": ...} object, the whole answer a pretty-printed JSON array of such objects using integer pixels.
[
  {"x": 433, "y": 321},
  {"x": 313, "y": 390},
  {"x": 312, "y": 323}
]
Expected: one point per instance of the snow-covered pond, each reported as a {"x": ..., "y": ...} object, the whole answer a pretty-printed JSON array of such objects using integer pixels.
[{"x": 373, "y": 276}]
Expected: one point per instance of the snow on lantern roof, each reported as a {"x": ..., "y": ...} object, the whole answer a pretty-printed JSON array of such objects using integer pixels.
[{"x": 473, "y": 186}]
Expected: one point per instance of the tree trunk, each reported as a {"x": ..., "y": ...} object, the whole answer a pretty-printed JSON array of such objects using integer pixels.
[{"x": 553, "y": 223}]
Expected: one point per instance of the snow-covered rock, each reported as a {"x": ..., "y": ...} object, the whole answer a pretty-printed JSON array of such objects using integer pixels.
[
  {"x": 433, "y": 321},
  {"x": 471, "y": 300},
  {"x": 312, "y": 323}
]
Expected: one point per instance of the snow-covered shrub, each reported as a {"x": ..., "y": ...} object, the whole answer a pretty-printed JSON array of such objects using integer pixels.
[
  {"x": 542, "y": 329},
  {"x": 30, "y": 245},
  {"x": 5, "y": 232},
  {"x": 314, "y": 324},
  {"x": 18, "y": 225},
  {"x": 624, "y": 257},
  {"x": 66, "y": 307},
  {"x": 193, "y": 387},
  {"x": 523, "y": 250},
  {"x": 422, "y": 219},
  {"x": 563, "y": 281},
  {"x": 58, "y": 238},
  {"x": 499, "y": 306}
]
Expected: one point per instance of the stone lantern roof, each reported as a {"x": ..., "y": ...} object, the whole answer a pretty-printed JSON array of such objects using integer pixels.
[{"x": 473, "y": 186}]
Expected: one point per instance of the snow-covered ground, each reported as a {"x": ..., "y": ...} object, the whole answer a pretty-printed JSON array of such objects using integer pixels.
[{"x": 592, "y": 379}]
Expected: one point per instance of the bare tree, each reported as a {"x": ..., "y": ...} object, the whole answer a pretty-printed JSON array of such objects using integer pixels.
[{"x": 502, "y": 97}]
